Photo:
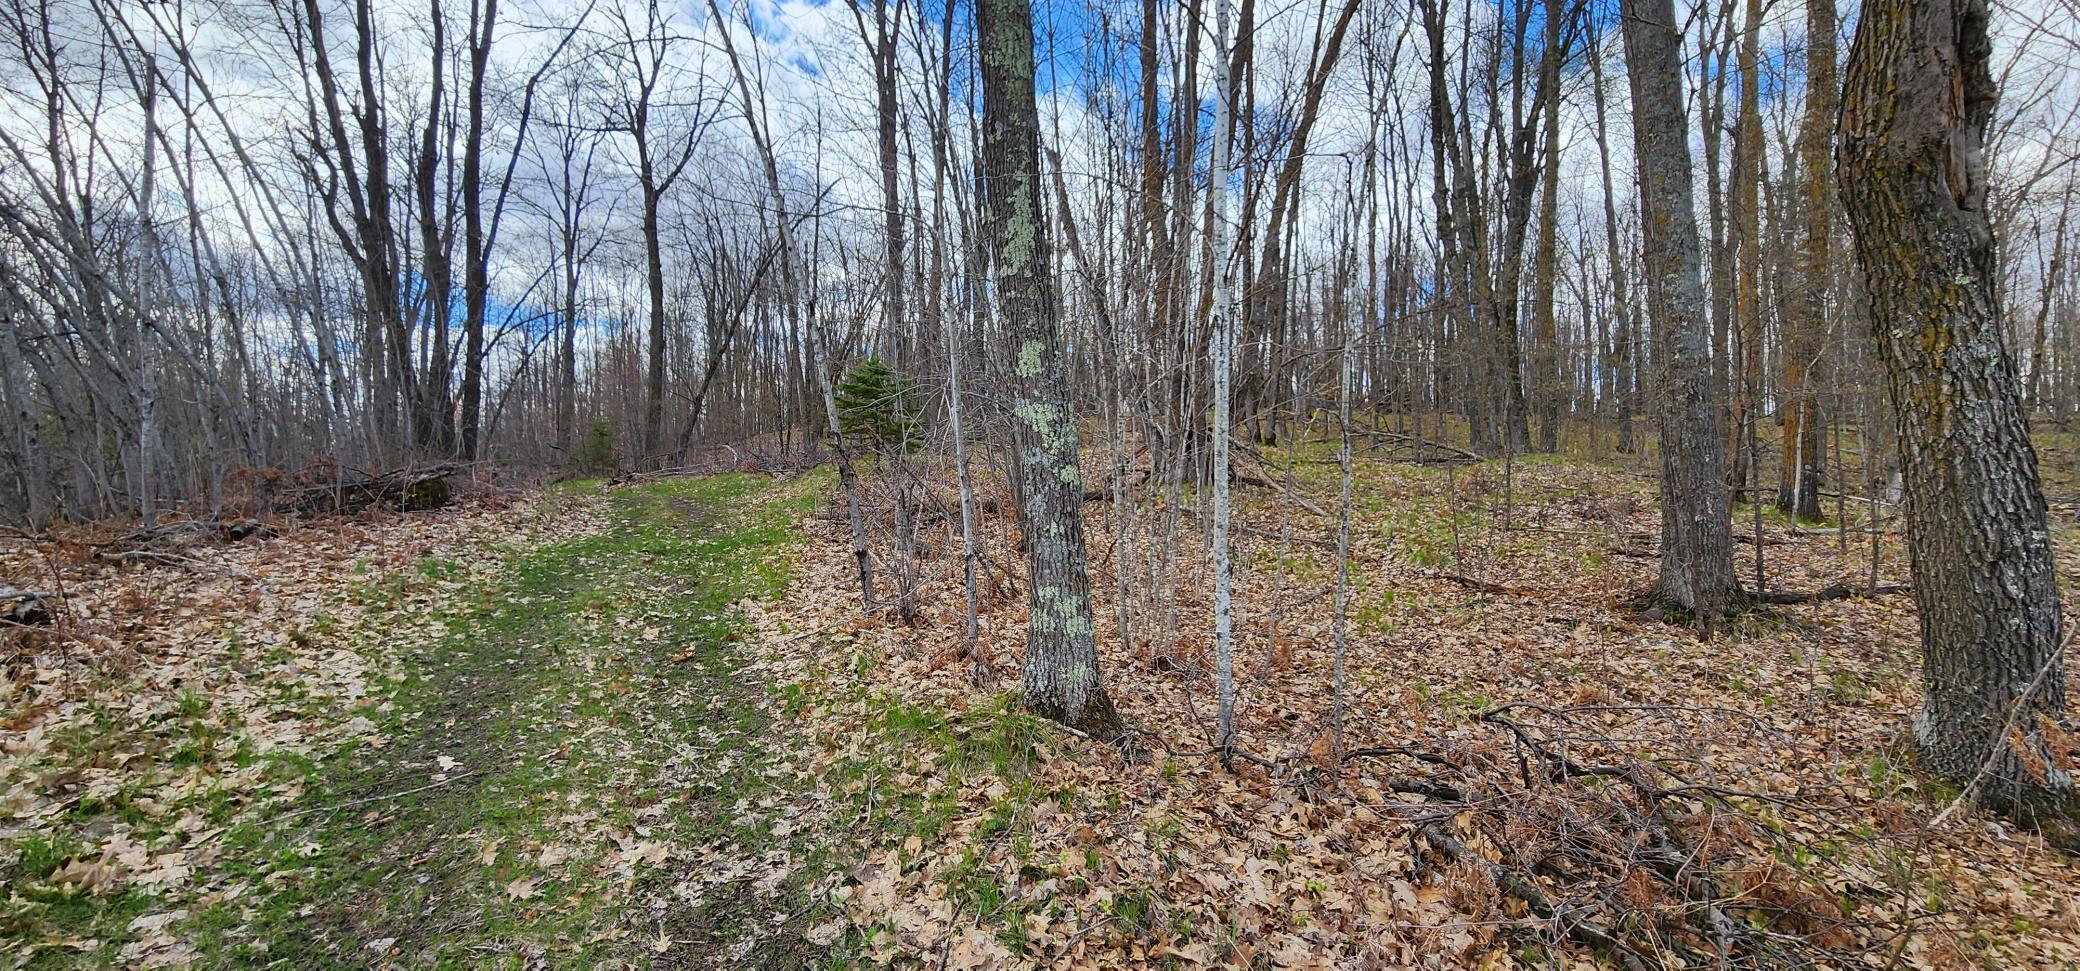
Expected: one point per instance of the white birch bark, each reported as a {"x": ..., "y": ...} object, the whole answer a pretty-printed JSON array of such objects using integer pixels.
[{"x": 1224, "y": 307}]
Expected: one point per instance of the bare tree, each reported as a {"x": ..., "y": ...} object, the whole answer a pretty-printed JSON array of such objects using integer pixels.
[
  {"x": 1226, "y": 305},
  {"x": 1805, "y": 328},
  {"x": 664, "y": 122},
  {"x": 1061, "y": 675},
  {"x": 1696, "y": 533}
]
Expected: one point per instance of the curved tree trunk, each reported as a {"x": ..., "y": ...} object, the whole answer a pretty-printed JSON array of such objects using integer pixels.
[
  {"x": 1061, "y": 676},
  {"x": 1916, "y": 100}
]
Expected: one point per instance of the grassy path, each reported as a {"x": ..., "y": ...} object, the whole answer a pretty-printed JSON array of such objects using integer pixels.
[{"x": 577, "y": 773}]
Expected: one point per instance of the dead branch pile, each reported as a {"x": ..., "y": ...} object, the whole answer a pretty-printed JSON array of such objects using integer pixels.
[
  {"x": 1642, "y": 858},
  {"x": 1394, "y": 446},
  {"x": 192, "y": 532},
  {"x": 405, "y": 489}
]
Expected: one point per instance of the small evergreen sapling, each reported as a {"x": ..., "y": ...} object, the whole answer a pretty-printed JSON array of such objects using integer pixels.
[{"x": 878, "y": 406}]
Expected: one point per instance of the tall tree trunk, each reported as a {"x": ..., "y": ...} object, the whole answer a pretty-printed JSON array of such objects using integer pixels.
[
  {"x": 1623, "y": 341},
  {"x": 1061, "y": 674},
  {"x": 567, "y": 349},
  {"x": 1546, "y": 379},
  {"x": 476, "y": 283},
  {"x": 1802, "y": 461},
  {"x": 436, "y": 266},
  {"x": 1696, "y": 535},
  {"x": 1226, "y": 304},
  {"x": 653, "y": 271},
  {"x": 1744, "y": 368},
  {"x": 32, "y": 471},
  {"x": 2054, "y": 277},
  {"x": 881, "y": 47},
  {"x": 1916, "y": 100}
]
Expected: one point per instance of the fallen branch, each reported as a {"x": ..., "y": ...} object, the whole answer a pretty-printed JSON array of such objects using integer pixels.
[
  {"x": 382, "y": 798},
  {"x": 1835, "y": 592},
  {"x": 187, "y": 531},
  {"x": 167, "y": 559},
  {"x": 1453, "y": 454},
  {"x": 1279, "y": 487},
  {"x": 406, "y": 489},
  {"x": 1574, "y": 925}
]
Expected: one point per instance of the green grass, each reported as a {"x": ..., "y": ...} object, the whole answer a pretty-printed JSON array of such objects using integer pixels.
[{"x": 591, "y": 697}]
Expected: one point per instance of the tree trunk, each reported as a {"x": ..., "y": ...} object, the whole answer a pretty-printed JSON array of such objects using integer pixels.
[
  {"x": 1696, "y": 535},
  {"x": 1916, "y": 101},
  {"x": 885, "y": 58},
  {"x": 1744, "y": 362},
  {"x": 476, "y": 283},
  {"x": 1546, "y": 379},
  {"x": 1226, "y": 306},
  {"x": 1622, "y": 341},
  {"x": 1798, "y": 491},
  {"x": 567, "y": 350},
  {"x": 653, "y": 273},
  {"x": 2054, "y": 276},
  {"x": 437, "y": 273},
  {"x": 1061, "y": 674}
]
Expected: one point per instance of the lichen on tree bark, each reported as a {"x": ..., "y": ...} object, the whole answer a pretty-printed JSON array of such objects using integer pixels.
[{"x": 1061, "y": 671}]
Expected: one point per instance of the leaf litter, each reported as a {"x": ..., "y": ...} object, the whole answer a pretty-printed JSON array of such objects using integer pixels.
[
  {"x": 895, "y": 811},
  {"x": 1531, "y": 773}
]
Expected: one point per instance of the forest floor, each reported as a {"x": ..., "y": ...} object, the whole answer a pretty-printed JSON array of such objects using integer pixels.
[
  {"x": 650, "y": 726},
  {"x": 513, "y": 736}
]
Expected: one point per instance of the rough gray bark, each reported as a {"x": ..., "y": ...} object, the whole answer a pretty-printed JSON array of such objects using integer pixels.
[
  {"x": 436, "y": 263},
  {"x": 1696, "y": 534},
  {"x": 1916, "y": 100},
  {"x": 1061, "y": 674},
  {"x": 881, "y": 45},
  {"x": 30, "y": 471},
  {"x": 365, "y": 231}
]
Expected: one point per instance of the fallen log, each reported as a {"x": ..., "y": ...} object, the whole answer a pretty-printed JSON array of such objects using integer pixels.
[
  {"x": 1451, "y": 454},
  {"x": 408, "y": 489},
  {"x": 187, "y": 531},
  {"x": 1834, "y": 592}
]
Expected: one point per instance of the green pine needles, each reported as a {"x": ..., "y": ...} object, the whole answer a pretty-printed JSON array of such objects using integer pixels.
[{"x": 878, "y": 407}]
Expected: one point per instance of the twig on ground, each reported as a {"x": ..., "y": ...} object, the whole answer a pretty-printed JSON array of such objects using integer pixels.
[{"x": 382, "y": 798}]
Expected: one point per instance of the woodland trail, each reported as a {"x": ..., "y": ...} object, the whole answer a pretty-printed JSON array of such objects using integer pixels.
[
  {"x": 576, "y": 771},
  {"x": 650, "y": 727}
]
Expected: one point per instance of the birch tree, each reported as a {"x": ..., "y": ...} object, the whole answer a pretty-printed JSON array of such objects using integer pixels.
[{"x": 1225, "y": 305}]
